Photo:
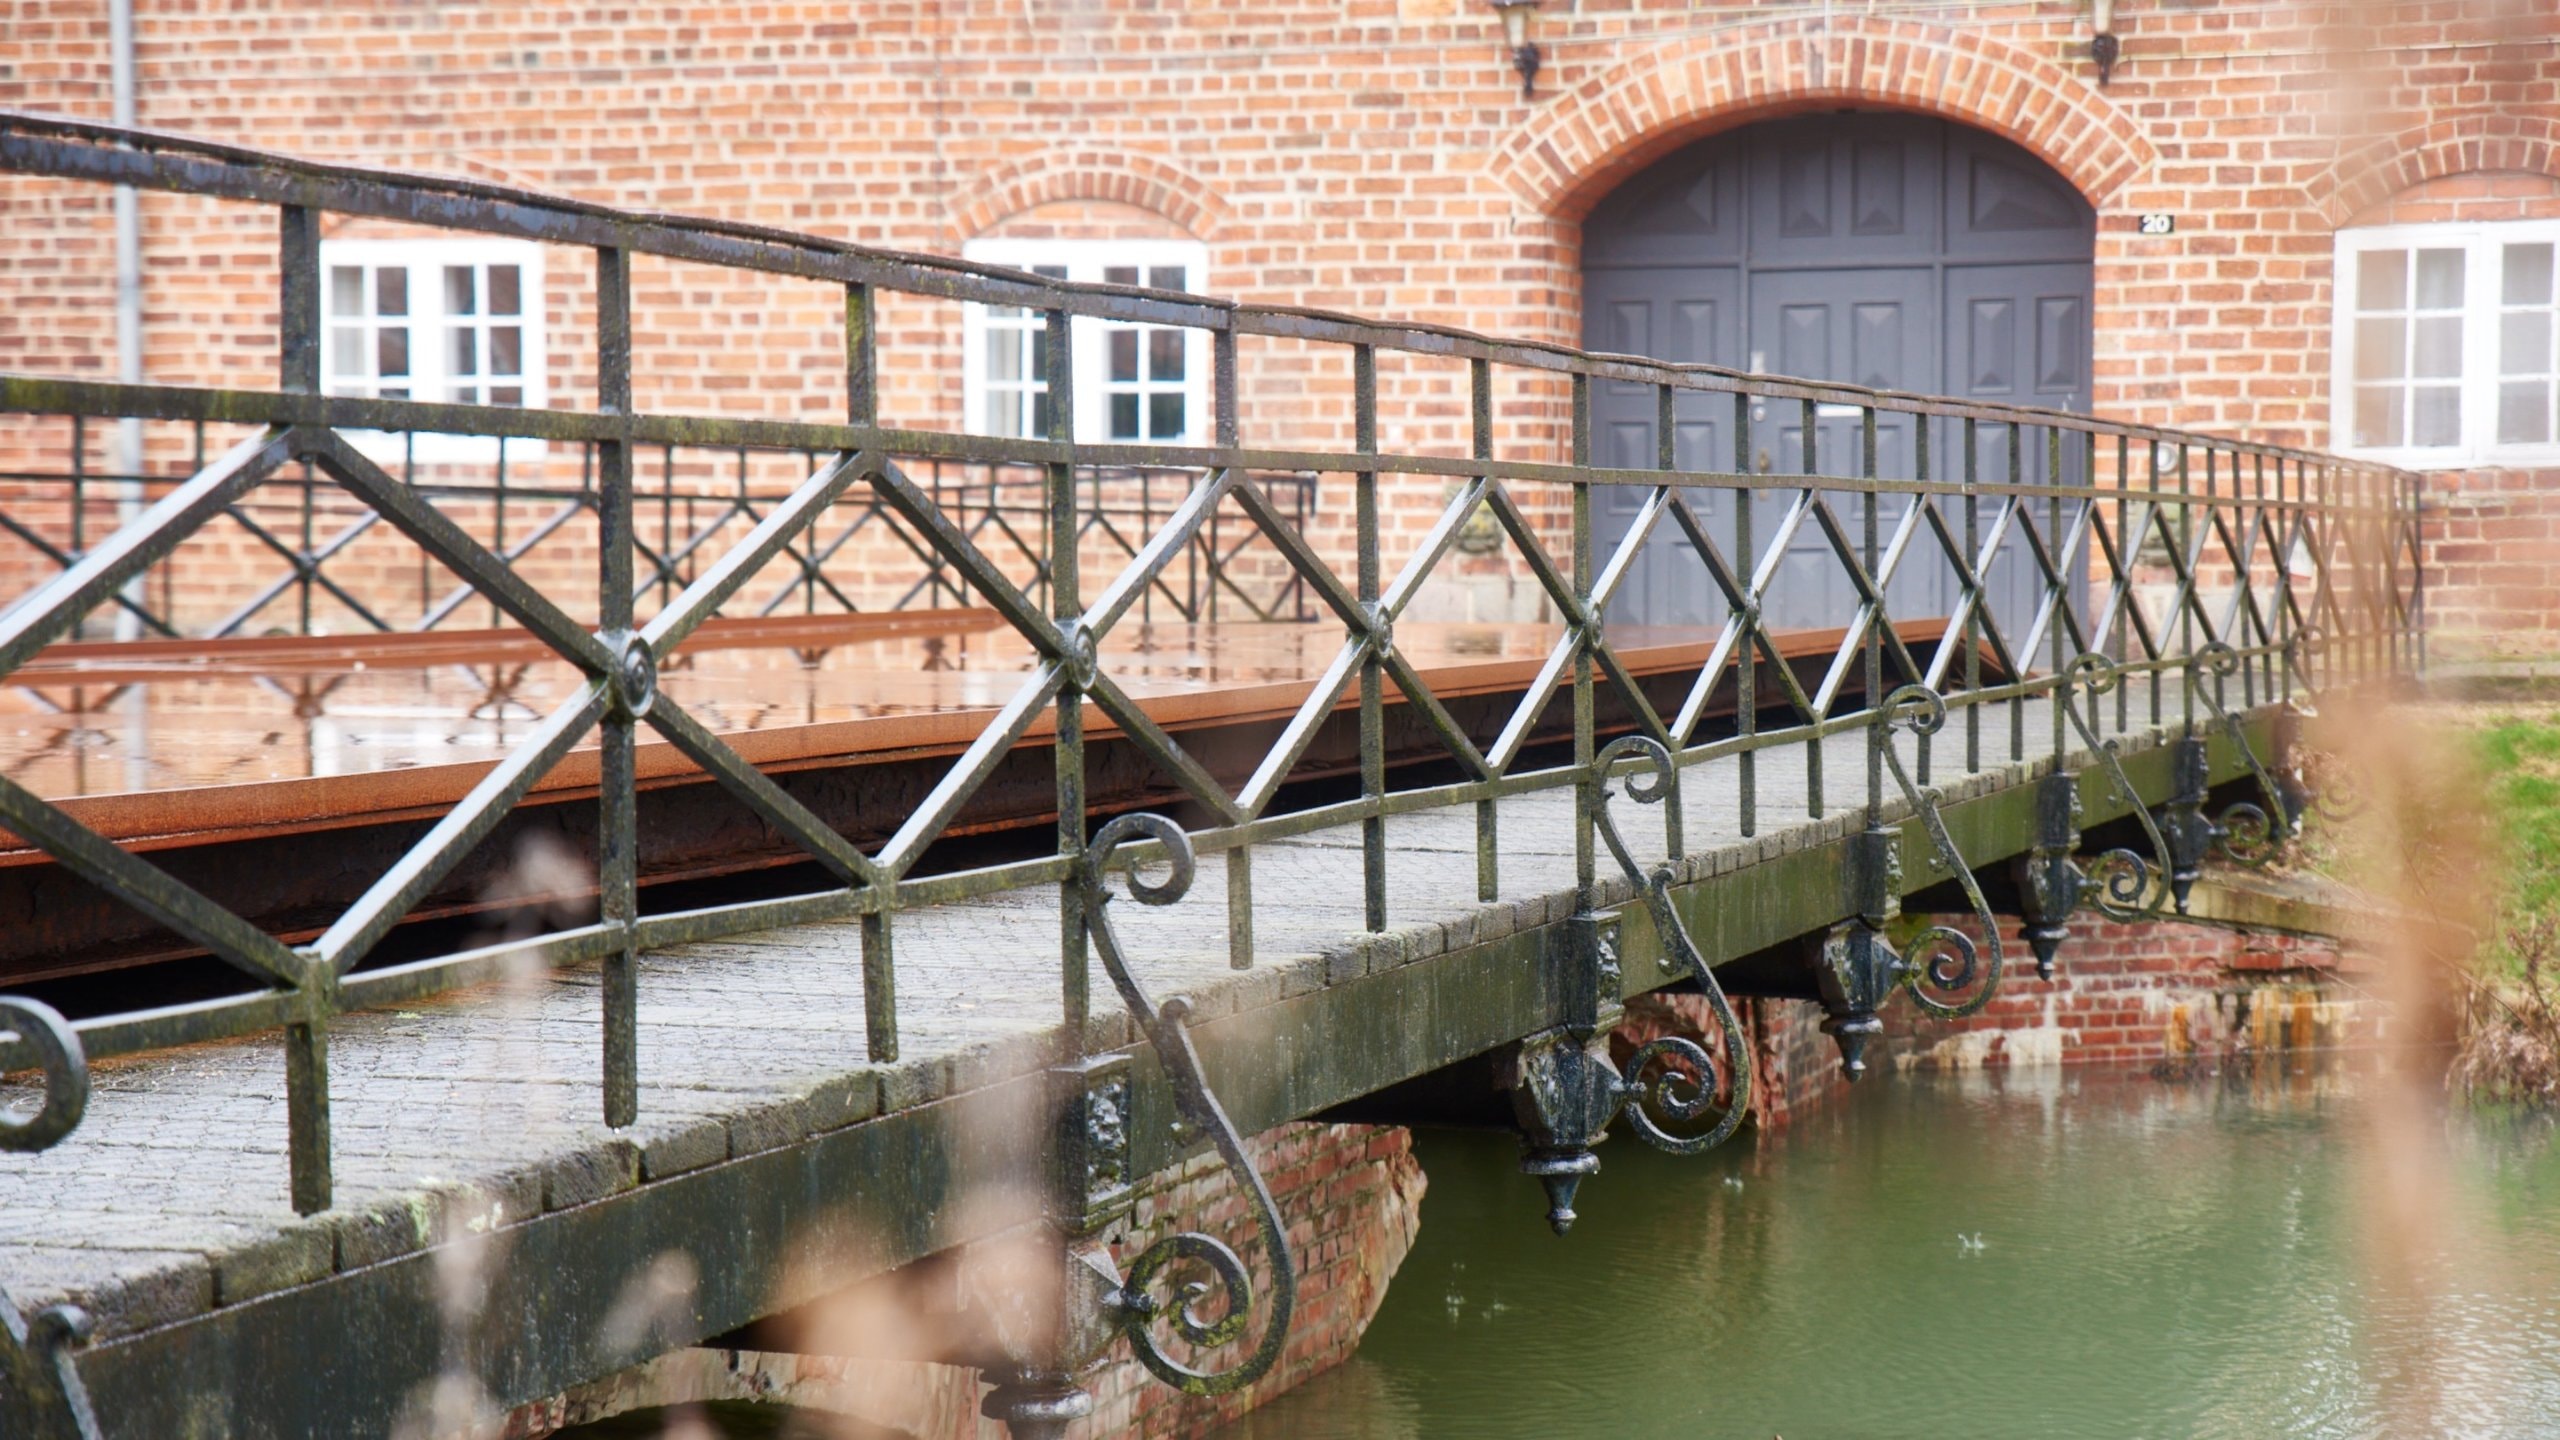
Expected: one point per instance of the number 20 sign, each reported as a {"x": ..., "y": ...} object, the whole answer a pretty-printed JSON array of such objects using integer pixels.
[{"x": 2159, "y": 224}]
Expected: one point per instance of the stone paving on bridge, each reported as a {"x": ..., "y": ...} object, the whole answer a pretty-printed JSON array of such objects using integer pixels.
[{"x": 482, "y": 1109}]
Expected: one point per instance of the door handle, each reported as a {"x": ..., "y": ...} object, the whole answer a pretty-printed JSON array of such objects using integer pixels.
[{"x": 1762, "y": 460}]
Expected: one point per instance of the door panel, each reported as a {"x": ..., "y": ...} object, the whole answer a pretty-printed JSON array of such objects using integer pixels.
[
  {"x": 1690, "y": 315},
  {"x": 1868, "y": 327},
  {"x": 2019, "y": 335},
  {"x": 1831, "y": 188}
]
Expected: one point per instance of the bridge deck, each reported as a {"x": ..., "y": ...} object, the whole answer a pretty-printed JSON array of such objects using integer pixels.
[{"x": 171, "y": 1199}]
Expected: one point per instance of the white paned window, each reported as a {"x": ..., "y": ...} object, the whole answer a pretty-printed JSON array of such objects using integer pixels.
[
  {"x": 2448, "y": 343},
  {"x": 448, "y": 321},
  {"x": 1134, "y": 384}
]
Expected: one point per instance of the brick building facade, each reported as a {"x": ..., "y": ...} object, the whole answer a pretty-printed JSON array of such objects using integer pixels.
[{"x": 1369, "y": 155}]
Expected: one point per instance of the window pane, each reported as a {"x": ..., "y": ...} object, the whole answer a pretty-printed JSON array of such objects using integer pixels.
[
  {"x": 2527, "y": 275},
  {"x": 1119, "y": 274},
  {"x": 1164, "y": 416},
  {"x": 459, "y": 292},
  {"x": 2378, "y": 414},
  {"x": 2382, "y": 280},
  {"x": 506, "y": 395},
  {"x": 1004, "y": 412},
  {"x": 1124, "y": 355},
  {"x": 1039, "y": 352},
  {"x": 461, "y": 350},
  {"x": 1054, "y": 272},
  {"x": 2382, "y": 349},
  {"x": 1124, "y": 416},
  {"x": 2438, "y": 351},
  {"x": 506, "y": 350},
  {"x": 1040, "y": 414},
  {"x": 506, "y": 286},
  {"x": 391, "y": 291},
  {"x": 1164, "y": 354},
  {"x": 391, "y": 351},
  {"x": 346, "y": 291},
  {"x": 1168, "y": 277},
  {"x": 1005, "y": 357},
  {"x": 2435, "y": 415},
  {"x": 2524, "y": 343},
  {"x": 2524, "y": 413},
  {"x": 346, "y": 351},
  {"x": 464, "y": 395},
  {"x": 391, "y": 394},
  {"x": 2439, "y": 279}
]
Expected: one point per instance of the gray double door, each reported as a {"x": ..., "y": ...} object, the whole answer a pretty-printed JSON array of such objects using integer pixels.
[{"x": 1887, "y": 250}]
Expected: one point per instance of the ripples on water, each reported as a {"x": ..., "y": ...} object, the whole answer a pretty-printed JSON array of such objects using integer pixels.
[{"x": 2155, "y": 1259}]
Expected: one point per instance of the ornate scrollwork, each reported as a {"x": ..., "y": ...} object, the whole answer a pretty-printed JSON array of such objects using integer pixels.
[
  {"x": 1680, "y": 1099},
  {"x": 41, "y": 1039},
  {"x": 1136, "y": 1309},
  {"x": 1942, "y": 958},
  {"x": 2248, "y": 833},
  {"x": 37, "y": 1375},
  {"x": 2128, "y": 887}
]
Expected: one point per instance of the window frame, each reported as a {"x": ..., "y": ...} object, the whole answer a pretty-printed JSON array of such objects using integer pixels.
[
  {"x": 429, "y": 378},
  {"x": 2483, "y": 245},
  {"x": 1084, "y": 261}
]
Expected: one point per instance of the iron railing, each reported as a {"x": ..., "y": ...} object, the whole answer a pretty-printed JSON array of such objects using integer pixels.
[
  {"x": 300, "y": 524},
  {"x": 2280, "y": 572}
]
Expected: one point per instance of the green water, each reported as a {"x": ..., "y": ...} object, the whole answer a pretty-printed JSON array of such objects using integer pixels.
[{"x": 2155, "y": 1259}]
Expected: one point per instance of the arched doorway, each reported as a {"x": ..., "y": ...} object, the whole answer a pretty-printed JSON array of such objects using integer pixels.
[{"x": 1882, "y": 248}]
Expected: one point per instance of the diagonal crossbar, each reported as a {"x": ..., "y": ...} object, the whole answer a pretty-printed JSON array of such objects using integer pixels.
[
  {"x": 147, "y": 888},
  {"x": 485, "y": 571},
  {"x": 50, "y": 610}
]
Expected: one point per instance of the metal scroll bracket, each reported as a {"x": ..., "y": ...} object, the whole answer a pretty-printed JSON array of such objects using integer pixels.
[
  {"x": 1856, "y": 968},
  {"x": 1038, "y": 1381},
  {"x": 43, "y": 1388},
  {"x": 39, "y": 1384},
  {"x": 2122, "y": 885},
  {"x": 1566, "y": 1090},
  {"x": 2245, "y": 832}
]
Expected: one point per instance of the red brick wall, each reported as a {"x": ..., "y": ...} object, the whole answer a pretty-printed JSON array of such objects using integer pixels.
[
  {"x": 1364, "y": 154},
  {"x": 2122, "y": 995}
]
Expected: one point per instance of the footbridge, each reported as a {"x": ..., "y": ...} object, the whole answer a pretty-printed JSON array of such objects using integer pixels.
[{"x": 497, "y": 894}]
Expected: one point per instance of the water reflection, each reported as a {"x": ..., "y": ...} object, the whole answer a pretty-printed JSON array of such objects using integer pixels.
[{"x": 2152, "y": 1260}]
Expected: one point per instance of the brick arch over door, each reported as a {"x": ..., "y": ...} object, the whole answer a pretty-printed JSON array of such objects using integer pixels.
[
  {"x": 2454, "y": 146},
  {"x": 1128, "y": 177},
  {"x": 1589, "y": 138}
]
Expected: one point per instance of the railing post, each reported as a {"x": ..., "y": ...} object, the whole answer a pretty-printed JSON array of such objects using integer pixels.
[
  {"x": 1981, "y": 567},
  {"x": 1373, "y": 724},
  {"x": 1585, "y": 623},
  {"x": 1222, "y": 349},
  {"x": 618, "y": 824},
  {"x": 306, "y": 1039},
  {"x": 1480, "y": 411},
  {"x": 879, "y": 948},
  {"x": 1811, "y": 415},
  {"x": 1746, "y": 702},
  {"x": 1066, "y": 605}
]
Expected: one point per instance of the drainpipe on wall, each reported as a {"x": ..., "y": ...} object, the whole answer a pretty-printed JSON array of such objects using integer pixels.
[{"x": 127, "y": 458}]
